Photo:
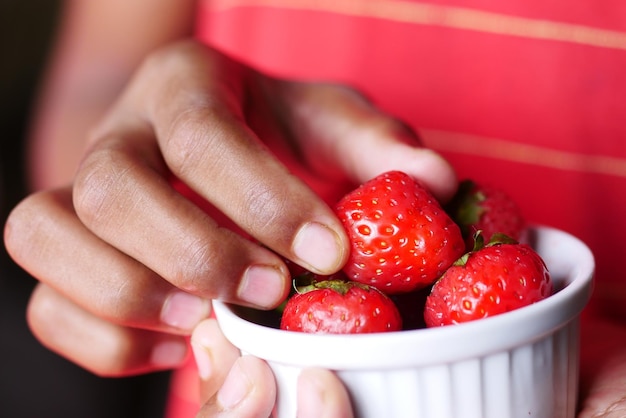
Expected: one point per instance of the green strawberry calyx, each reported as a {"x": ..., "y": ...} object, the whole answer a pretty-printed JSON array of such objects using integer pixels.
[
  {"x": 467, "y": 204},
  {"x": 307, "y": 282},
  {"x": 479, "y": 243}
]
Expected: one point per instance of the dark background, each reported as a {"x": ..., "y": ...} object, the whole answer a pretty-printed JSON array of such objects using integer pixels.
[{"x": 35, "y": 383}]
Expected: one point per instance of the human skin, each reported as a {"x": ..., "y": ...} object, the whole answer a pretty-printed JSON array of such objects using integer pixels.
[
  {"x": 102, "y": 164},
  {"x": 121, "y": 202}
]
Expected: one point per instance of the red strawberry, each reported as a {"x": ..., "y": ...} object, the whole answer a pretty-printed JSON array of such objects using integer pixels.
[
  {"x": 304, "y": 279},
  {"x": 479, "y": 207},
  {"x": 497, "y": 278},
  {"x": 401, "y": 238},
  {"x": 340, "y": 307}
]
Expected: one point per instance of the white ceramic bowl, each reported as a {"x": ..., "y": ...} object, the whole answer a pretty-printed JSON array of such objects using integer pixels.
[{"x": 516, "y": 365}]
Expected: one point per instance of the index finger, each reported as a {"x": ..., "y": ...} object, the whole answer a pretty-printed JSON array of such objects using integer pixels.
[
  {"x": 207, "y": 144},
  {"x": 179, "y": 115}
]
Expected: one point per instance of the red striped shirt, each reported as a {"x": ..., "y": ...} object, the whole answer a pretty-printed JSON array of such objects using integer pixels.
[{"x": 529, "y": 95}]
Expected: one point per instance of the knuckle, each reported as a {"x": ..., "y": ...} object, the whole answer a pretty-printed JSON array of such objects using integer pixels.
[
  {"x": 26, "y": 225},
  {"x": 266, "y": 210},
  {"x": 195, "y": 139},
  {"x": 385, "y": 126},
  {"x": 184, "y": 141},
  {"x": 99, "y": 187},
  {"x": 167, "y": 59},
  {"x": 41, "y": 317},
  {"x": 123, "y": 301},
  {"x": 171, "y": 54},
  {"x": 195, "y": 267},
  {"x": 18, "y": 227}
]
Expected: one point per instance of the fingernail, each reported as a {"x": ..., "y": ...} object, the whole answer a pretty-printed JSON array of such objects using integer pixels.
[
  {"x": 318, "y": 246},
  {"x": 169, "y": 354},
  {"x": 184, "y": 311},
  {"x": 262, "y": 286},
  {"x": 235, "y": 388},
  {"x": 204, "y": 360}
]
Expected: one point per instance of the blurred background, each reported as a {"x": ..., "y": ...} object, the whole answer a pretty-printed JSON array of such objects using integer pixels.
[{"x": 35, "y": 383}]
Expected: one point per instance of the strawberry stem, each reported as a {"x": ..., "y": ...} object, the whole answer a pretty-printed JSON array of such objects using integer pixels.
[{"x": 500, "y": 238}]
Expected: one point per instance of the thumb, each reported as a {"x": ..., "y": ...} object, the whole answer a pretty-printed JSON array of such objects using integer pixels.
[
  {"x": 321, "y": 394},
  {"x": 343, "y": 136},
  {"x": 249, "y": 391}
]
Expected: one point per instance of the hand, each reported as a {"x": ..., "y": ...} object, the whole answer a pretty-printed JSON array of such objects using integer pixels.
[
  {"x": 241, "y": 387},
  {"x": 128, "y": 263},
  {"x": 321, "y": 394}
]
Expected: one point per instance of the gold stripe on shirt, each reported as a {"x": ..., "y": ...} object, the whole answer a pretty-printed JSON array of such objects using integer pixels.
[
  {"x": 447, "y": 16},
  {"x": 523, "y": 153}
]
